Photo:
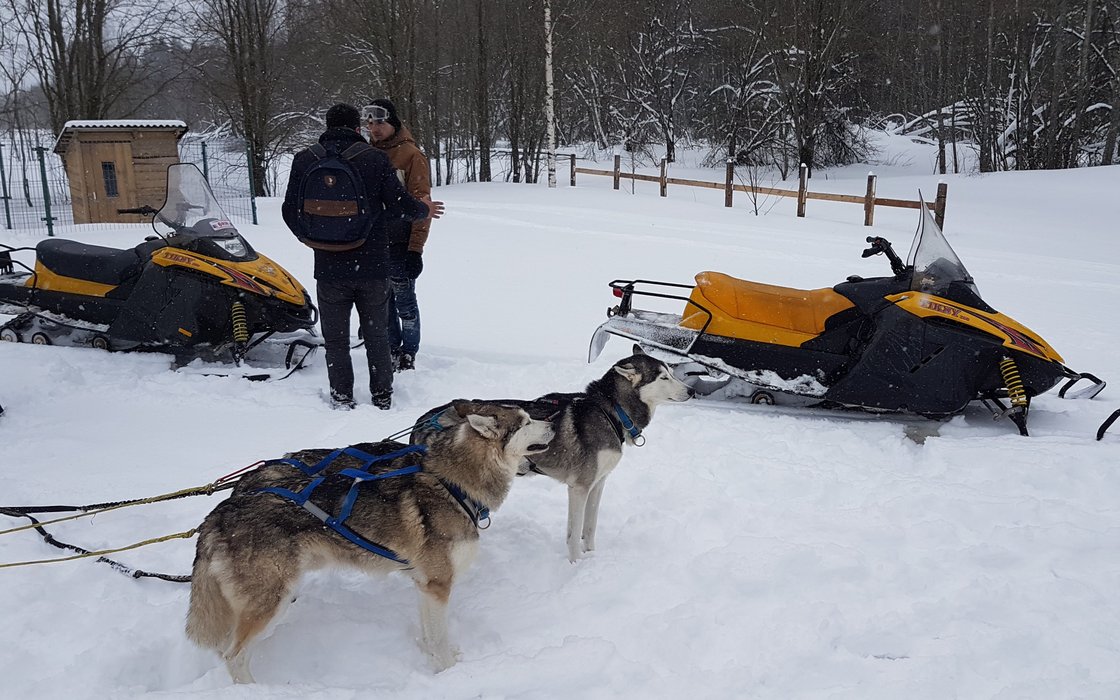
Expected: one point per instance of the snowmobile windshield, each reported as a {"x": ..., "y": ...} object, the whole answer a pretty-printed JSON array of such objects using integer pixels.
[
  {"x": 935, "y": 266},
  {"x": 190, "y": 202}
]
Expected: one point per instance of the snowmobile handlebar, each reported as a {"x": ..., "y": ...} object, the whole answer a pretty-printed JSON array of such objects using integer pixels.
[
  {"x": 882, "y": 245},
  {"x": 144, "y": 210}
]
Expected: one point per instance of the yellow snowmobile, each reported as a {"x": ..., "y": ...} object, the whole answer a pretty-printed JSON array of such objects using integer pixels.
[
  {"x": 922, "y": 341},
  {"x": 197, "y": 288}
]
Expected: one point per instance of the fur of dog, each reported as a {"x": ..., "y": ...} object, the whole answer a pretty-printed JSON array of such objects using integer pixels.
[
  {"x": 589, "y": 435},
  {"x": 253, "y": 547}
]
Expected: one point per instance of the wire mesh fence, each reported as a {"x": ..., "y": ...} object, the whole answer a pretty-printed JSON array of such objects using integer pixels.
[
  {"x": 33, "y": 184},
  {"x": 36, "y": 193},
  {"x": 225, "y": 163}
]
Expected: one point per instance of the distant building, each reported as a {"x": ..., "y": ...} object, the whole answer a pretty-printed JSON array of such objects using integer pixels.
[{"x": 117, "y": 164}]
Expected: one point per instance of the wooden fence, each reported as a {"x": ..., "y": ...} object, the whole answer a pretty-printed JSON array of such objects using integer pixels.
[{"x": 802, "y": 193}]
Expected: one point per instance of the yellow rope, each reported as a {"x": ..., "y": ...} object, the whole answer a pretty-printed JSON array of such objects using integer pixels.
[
  {"x": 208, "y": 489},
  {"x": 178, "y": 535}
]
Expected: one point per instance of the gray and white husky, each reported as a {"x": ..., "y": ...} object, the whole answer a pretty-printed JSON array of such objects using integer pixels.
[
  {"x": 591, "y": 427},
  {"x": 254, "y": 546}
]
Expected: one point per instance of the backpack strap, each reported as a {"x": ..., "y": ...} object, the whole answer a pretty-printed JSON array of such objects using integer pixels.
[
  {"x": 355, "y": 150},
  {"x": 318, "y": 151}
]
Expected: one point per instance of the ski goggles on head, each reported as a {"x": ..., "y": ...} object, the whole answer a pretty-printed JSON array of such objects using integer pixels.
[{"x": 375, "y": 113}]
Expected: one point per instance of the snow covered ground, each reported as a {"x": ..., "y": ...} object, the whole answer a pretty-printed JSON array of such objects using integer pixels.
[{"x": 742, "y": 553}]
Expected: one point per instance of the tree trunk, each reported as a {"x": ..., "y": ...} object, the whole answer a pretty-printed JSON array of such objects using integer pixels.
[
  {"x": 987, "y": 145},
  {"x": 1053, "y": 113},
  {"x": 1083, "y": 80},
  {"x": 549, "y": 103},
  {"x": 1110, "y": 137},
  {"x": 483, "y": 96}
]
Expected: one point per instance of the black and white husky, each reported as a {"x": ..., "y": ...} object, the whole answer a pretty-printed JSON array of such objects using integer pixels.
[{"x": 591, "y": 427}]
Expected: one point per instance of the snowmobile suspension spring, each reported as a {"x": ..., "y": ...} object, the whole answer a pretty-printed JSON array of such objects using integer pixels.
[
  {"x": 1015, "y": 391},
  {"x": 240, "y": 325}
]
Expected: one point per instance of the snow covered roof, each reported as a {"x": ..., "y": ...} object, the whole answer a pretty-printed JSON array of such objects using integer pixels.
[{"x": 72, "y": 126}]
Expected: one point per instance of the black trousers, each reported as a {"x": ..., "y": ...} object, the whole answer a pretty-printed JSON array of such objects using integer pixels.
[{"x": 336, "y": 300}]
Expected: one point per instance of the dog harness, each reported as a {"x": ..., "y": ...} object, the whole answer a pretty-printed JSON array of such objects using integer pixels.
[{"x": 474, "y": 510}]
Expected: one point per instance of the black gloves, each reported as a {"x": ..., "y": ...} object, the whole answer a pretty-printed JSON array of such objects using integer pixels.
[{"x": 413, "y": 264}]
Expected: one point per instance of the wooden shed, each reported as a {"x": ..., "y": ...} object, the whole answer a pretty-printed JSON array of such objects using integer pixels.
[{"x": 117, "y": 164}]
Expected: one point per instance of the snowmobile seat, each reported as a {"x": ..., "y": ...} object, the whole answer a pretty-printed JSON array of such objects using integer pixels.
[
  {"x": 761, "y": 312},
  {"x": 92, "y": 263}
]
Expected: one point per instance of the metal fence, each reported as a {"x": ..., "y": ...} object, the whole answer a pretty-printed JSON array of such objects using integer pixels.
[
  {"x": 36, "y": 192},
  {"x": 225, "y": 163}
]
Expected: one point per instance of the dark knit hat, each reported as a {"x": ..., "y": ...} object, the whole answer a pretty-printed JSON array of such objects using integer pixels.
[
  {"x": 343, "y": 115},
  {"x": 393, "y": 119}
]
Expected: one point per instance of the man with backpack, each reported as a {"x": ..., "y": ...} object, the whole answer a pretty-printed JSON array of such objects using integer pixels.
[{"x": 340, "y": 193}]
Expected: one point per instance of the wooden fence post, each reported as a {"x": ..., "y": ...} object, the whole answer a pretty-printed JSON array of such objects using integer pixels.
[
  {"x": 729, "y": 183},
  {"x": 802, "y": 188},
  {"x": 869, "y": 201},
  {"x": 939, "y": 204},
  {"x": 573, "y": 176},
  {"x": 664, "y": 174},
  {"x": 617, "y": 169}
]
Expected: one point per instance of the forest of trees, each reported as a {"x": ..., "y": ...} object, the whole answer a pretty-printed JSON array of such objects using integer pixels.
[{"x": 1024, "y": 84}]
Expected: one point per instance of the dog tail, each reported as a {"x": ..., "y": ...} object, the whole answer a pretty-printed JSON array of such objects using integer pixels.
[{"x": 210, "y": 617}]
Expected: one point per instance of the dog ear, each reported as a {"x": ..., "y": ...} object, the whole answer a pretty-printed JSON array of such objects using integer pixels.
[
  {"x": 638, "y": 350},
  {"x": 486, "y": 426},
  {"x": 630, "y": 372},
  {"x": 462, "y": 407}
]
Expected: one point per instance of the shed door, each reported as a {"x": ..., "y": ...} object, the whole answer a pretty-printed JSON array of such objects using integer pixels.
[{"x": 109, "y": 181}]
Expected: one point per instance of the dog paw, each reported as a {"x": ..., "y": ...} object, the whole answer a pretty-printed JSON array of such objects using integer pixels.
[{"x": 443, "y": 659}]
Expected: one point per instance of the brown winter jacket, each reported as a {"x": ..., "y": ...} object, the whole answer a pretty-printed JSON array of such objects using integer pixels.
[{"x": 412, "y": 168}]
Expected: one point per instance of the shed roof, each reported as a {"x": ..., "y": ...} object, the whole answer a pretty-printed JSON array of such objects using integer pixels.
[{"x": 177, "y": 126}]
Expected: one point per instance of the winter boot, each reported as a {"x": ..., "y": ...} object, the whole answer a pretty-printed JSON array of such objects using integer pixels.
[
  {"x": 383, "y": 400},
  {"x": 405, "y": 362},
  {"x": 342, "y": 402}
]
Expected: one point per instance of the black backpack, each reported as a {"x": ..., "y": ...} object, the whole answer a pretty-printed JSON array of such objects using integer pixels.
[{"x": 334, "y": 212}]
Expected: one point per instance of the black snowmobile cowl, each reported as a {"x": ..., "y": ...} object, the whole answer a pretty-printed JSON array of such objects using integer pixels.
[{"x": 921, "y": 341}]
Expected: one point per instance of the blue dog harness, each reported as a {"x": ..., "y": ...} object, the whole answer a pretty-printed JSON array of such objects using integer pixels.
[{"x": 475, "y": 511}]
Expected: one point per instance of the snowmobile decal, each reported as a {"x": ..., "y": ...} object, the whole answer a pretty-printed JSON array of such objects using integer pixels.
[
  {"x": 280, "y": 286},
  {"x": 1013, "y": 334}
]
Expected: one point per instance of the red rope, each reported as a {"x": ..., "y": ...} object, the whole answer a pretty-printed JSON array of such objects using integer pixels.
[{"x": 254, "y": 465}]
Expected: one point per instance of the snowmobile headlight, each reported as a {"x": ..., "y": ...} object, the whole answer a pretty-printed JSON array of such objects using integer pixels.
[{"x": 233, "y": 246}]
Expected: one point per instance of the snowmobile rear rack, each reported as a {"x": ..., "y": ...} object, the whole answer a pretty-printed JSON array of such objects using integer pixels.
[
  {"x": 624, "y": 289},
  {"x": 8, "y": 263},
  {"x": 675, "y": 340}
]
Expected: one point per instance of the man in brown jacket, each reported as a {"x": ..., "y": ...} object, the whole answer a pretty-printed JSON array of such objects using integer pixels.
[{"x": 406, "y": 239}]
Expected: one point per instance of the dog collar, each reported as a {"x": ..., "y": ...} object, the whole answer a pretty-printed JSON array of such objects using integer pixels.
[
  {"x": 474, "y": 510},
  {"x": 628, "y": 425}
]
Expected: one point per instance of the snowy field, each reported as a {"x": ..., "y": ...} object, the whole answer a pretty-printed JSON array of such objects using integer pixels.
[{"x": 741, "y": 553}]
